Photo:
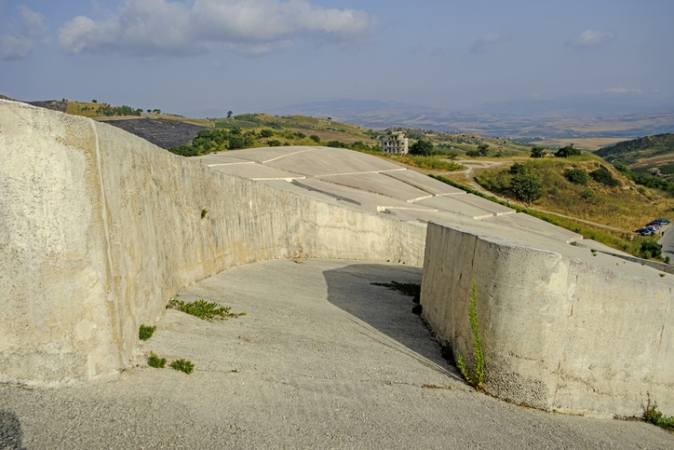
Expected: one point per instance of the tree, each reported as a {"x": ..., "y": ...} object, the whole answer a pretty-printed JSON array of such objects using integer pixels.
[
  {"x": 483, "y": 149},
  {"x": 229, "y": 114},
  {"x": 422, "y": 147},
  {"x": 567, "y": 151},
  {"x": 315, "y": 138},
  {"x": 93, "y": 101},
  {"x": 266, "y": 133},
  {"x": 149, "y": 111},
  {"x": 537, "y": 152},
  {"x": 527, "y": 187}
]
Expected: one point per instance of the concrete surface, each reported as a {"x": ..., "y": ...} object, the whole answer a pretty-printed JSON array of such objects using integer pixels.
[
  {"x": 561, "y": 330},
  {"x": 100, "y": 229},
  {"x": 378, "y": 183},
  {"x": 323, "y": 359}
]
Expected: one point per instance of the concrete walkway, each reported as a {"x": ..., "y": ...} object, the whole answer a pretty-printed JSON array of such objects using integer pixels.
[{"x": 323, "y": 359}]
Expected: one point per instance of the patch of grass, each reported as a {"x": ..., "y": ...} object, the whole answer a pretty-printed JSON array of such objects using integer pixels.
[
  {"x": 182, "y": 365},
  {"x": 410, "y": 289},
  {"x": 204, "y": 310},
  {"x": 156, "y": 362},
  {"x": 145, "y": 332},
  {"x": 652, "y": 415},
  {"x": 203, "y": 213},
  {"x": 476, "y": 377}
]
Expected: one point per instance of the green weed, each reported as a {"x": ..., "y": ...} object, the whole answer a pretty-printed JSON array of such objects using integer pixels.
[
  {"x": 477, "y": 377},
  {"x": 145, "y": 332},
  {"x": 652, "y": 415},
  {"x": 204, "y": 310},
  {"x": 410, "y": 289},
  {"x": 156, "y": 362},
  {"x": 203, "y": 213},
  {"x": 182, "y": 365}
]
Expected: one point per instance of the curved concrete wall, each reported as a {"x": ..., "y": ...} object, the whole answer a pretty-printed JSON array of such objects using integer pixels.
[
  {"x": 561, "y": 329},
  {"x": 99, "y": 229}
]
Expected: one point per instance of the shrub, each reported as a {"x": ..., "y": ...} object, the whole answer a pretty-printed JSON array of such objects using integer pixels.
[
  {"x": 527, "y": 187},
  {"x": 266, "y": 133},
  {"x": 537, "y": 152},
  {"x": 577, "y": 176},
  {"x": 274, "y": 143},
  {"x": 519, "y": 169},
  {"x": 146, "y": 332},
  {"x": 652, "y": 415},
  {"x": 315, "y": 138},
  {"x": 422, "y": 148},
  {"x": 650, "y": 249},
  {"x": 156, "y": 362},
  {"x": 604, "y": 176},
  {"x": 567, "y": 151},
  {"x": 182, "y": 365}
]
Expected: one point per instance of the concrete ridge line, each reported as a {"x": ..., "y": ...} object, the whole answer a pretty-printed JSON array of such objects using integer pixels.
[
  {"x": 282, "y": 156},
  {"x": 232, "y": 164}
]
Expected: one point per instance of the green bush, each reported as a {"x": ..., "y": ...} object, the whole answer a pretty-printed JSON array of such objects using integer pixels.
[
  {"x": 266, "y": 133},
  {"x": 156, "y": 362},
  {"x": 567, "y": 151},
  {"x": 527, "y": 187},
  {"x": 146, "y": 332},
  {"x": 577, "y": 176},
  {"x": 537, "y": 152},
  {"x": 650, "y": 249},
  {"x": 604, "y": 176},
  {"x": 182, "y": 365},
  {"x": 274, "y": 143},
  {"x": 315, "y": 138},
  {"x": 422, "y": 148},
  {"x": 655, "y": 417}
]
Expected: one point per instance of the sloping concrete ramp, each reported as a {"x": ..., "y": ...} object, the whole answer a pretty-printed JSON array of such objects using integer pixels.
[{"x": 323, "y": 359}]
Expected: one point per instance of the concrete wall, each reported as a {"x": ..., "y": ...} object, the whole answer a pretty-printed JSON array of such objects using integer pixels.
[
  {"x": 99, "y": 229},
  {"x": 561, "y": 329}
]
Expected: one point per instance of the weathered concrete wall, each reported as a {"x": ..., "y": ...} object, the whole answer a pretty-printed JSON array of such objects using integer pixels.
[
  {"x": 561, "y": 329},
  {"x": 99, "y": 229}
]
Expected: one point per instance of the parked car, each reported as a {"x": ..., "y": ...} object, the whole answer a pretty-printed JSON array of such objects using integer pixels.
[
  {"x": 655, "y": 226},
  {"x": 662, "y": 221},
  {"x": 644, "y": 231}
]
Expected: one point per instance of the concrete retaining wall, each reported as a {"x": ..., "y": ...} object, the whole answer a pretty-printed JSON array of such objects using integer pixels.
[
  {"x": 561, "y": 330},
  {"x": 99, "y": 229}
]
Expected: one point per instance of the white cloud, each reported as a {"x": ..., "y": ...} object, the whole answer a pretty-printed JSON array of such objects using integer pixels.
[
  {"x": 151, "y": 27},
  {"x": 618, "y": 90},
  {"x": 490, "y": 40},
  {"x": 14, "y": 47},
  {"x": 23, "y": 30},
  {"x": 590, "y": 38}
]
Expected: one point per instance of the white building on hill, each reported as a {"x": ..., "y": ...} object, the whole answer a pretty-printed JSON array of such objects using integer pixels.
[{"x": 396, "y": 143}]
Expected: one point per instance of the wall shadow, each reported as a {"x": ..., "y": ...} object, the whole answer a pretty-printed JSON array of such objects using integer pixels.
[
  {"x": 350, "y": 288},
  {"x": 11, "y": 435}
]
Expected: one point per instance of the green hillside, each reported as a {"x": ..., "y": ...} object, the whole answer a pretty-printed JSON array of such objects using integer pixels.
[
  {"x": 583, "y": 187},
  {"x": 636, "y": 150}
]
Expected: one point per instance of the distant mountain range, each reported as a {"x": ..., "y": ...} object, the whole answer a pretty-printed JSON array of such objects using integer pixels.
[{"x": 524, "y": 120}]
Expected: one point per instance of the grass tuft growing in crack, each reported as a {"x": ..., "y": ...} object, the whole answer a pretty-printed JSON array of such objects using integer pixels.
[
  {"x": 410, "y": 289},
  {"x": 476, "y": 377},
  {"x": 652, "y": 415},
  {"x": 155, "y": 361},
  {"x": 204, "y": 310},
  {"x": 145, "y": 332},
  {"x": 182, "y": 365}
]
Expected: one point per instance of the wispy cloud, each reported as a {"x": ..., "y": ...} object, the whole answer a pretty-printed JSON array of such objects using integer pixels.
[
  {"x": 156, "y": 27},
  {"x": 490, "y": 40},
  {"x": 23, "y": 30},
  {"x": 618, "y": 90},
  {"x": 590, "y": 38}
]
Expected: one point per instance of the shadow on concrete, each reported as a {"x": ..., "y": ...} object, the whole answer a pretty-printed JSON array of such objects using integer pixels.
[
  {"x": 10, "y": 432},
  {"x": 350, "y": 288}
]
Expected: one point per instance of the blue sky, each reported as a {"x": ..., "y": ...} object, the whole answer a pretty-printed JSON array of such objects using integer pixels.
[{"x": 205, "y": 57}]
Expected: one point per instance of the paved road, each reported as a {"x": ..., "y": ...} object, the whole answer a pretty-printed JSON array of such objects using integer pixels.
[{"x": 323, "y": 359}]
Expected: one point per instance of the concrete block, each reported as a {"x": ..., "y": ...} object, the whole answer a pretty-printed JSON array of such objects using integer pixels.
[
  {"x": 423, "y": 182},
  {"x": 379, "y": 184}
]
